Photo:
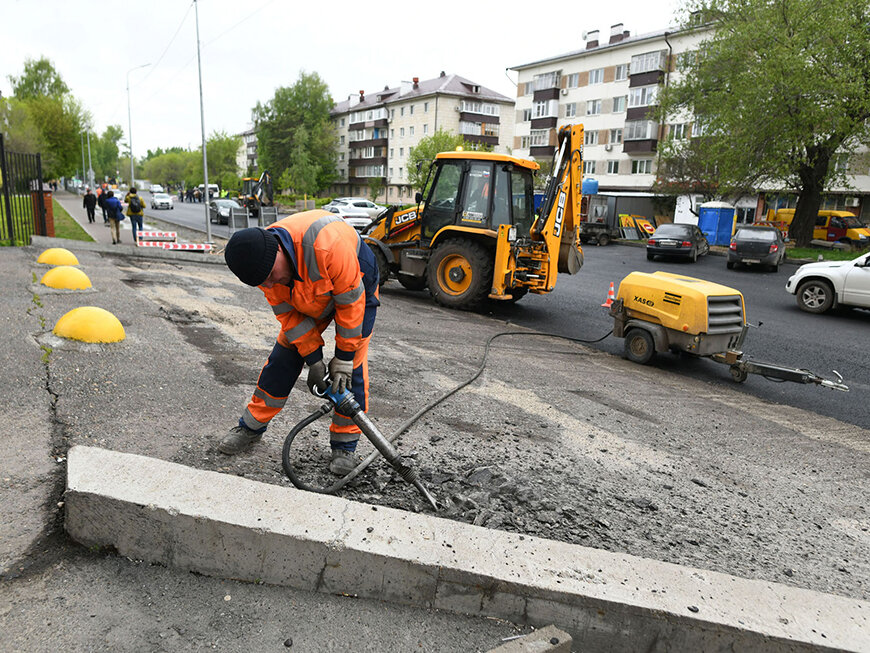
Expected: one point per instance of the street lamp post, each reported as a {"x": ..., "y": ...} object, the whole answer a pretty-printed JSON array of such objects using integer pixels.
[
  {"x": 130, "y": 122},
  {"x": 202, "y": 124},
  {"x": 90, "y": 165}
]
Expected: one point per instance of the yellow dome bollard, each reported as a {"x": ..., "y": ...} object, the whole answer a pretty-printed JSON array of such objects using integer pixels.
[
  {"x": 57, "y": 256},
  {"x": 66, "y": 278},
  {"x": 89, "y": 324}
]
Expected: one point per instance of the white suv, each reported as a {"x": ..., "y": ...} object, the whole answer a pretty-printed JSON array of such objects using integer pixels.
[{"x": 819, "y": 286}]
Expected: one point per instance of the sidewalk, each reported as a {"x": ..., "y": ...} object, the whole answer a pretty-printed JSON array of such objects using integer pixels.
[{"x": 98, "y": 230}]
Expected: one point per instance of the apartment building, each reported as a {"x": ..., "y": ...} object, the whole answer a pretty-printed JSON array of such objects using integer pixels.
[
  {"x": 610, "y": 87},
  {"x": 376, "y": 131}
]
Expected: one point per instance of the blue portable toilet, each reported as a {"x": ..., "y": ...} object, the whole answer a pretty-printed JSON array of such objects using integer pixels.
[{"x": 717, "y": 220}]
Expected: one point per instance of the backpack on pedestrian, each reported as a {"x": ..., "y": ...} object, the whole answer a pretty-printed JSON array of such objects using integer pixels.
[{"x": 135, "y": 204}]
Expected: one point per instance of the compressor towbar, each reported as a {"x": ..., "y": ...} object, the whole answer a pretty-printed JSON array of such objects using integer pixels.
[{"x": 742, "y": 367}]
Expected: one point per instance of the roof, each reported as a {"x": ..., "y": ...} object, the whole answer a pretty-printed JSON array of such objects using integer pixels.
[
  {"x": 631, "y": 40},
  {"x": 443, "y": 84},
  {"x": 488, "y": 156}
]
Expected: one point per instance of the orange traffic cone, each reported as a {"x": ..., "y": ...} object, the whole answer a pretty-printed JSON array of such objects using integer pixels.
[{"x": 610, "y": 297}]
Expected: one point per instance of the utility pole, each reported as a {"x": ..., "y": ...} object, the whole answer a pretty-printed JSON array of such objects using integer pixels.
[
  {"x": 202, "y": 123},
  {"x": 82, "y": 138},
  {"x": 90, "y": 165},
  {"x": 130, "y": 122}
]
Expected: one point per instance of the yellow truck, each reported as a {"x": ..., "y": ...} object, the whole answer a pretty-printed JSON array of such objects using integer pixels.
[{"x": 833, "y": 226}]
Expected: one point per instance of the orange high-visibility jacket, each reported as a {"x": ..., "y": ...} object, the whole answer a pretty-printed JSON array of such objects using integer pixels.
[{"x": 324, "y": 250}]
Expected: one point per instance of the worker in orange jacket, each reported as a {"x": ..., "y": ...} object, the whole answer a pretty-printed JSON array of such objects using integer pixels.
[{"x": 313, "y": 269}]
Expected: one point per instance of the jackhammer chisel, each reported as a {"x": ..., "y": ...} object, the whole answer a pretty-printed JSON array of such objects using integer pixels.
[{"x": 345, "y": 403}]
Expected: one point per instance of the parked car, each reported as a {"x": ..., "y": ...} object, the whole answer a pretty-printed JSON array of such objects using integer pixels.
[
  {"x": 357, "y": 218},
  {"x": 219, "y": 210},
  {"x": 155, "y": 188},
  {"x": 161, "y": 201},
  {"x": 757, "y": 246},
  {"x": 683, "y": 240},
  {"x": 819, "y": 286},
  {"x": 371, "y": 209}
]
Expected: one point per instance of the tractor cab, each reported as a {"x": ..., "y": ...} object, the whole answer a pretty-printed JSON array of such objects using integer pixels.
[{"x": 478, "y": 191}]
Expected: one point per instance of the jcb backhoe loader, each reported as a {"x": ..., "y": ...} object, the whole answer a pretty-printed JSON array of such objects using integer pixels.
[
  {"x": 256, "y": 193},
  {"x": 476, "y": 235}
]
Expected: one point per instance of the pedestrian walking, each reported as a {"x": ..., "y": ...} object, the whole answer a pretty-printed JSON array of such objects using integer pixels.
[
  {"x": 101, "y": 201},
  {"x": 313, "y": 270},
  {"x": 116, "y": 214},
  {"x": 89, "y": 202},
  {"x": 135, "y": 211}
]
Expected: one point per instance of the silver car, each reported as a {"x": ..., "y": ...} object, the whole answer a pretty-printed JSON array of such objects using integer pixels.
[
  {"x": 371, "y": 209},
  {"x": 161, "y": 201},
  {"x": 356, "y": 218}
]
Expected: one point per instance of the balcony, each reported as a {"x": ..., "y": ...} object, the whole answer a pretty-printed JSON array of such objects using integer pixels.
[
  {"x": 545, "y": 151},
  {"x": 646, "y": 146},
  {"x": 370, "y": 161},
  {"x": 371, "y": 142},
  {"x": 646, "y": 79},
  {"x": 544, "y": 123},
  {"x": 480, "y": 139}
]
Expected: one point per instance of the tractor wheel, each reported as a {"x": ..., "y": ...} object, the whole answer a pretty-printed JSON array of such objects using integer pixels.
[
  {"x": 460, "y": 274},
  {"x": 381, "y": 262},
  {"x": 639, "y": 346},
  {"x": 411, "y": 283},
  {"x": 603, "y": 240}
]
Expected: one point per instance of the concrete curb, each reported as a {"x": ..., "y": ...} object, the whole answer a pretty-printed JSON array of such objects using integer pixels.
[
  {"x": 227, "y": 526},
  {"x": 128, "y": 250},
  {"x": 545, "y": 640}
]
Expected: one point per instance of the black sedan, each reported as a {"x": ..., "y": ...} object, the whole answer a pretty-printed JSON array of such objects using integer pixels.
[
  {"x": 678, "y": 240},
  {"x": 219, "y": 210},
  {"x": 757, "y": 246}
]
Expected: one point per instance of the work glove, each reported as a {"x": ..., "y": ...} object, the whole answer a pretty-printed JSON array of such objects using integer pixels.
[
  {"x": 316, "y": 376},
  {"x": 340, "y": 373}
]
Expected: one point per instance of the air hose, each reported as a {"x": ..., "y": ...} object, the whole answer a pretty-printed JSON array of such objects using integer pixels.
[{"x": 327, "y": 407}]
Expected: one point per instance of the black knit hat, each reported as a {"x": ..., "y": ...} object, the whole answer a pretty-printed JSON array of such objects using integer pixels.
[{"x": 250, "y": 254}]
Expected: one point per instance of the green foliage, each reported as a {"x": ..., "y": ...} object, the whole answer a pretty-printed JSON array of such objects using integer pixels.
[
  {"x": 376, "y": 185},
  {"x": 421, "y": 157},
  {"x": 38, "y": 80},
  {"x": 173, "y": 168},
  {"x": 21, "y": 133},
  {"x": 65, "y": 225},
  {"x": 222, "y": 149},
  {"x": 105, "y": 152},
  {"x": 296, "y": 121},
  {"x": 781, "y": 88},
  {"x": 45, "y": 106}
]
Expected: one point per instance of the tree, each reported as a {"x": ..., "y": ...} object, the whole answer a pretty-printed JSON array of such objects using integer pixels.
[
  {"x": 105, "y": 152},
  {"x": 19, "y": 130},
  {"x": 222, "y": 150},
  {"x": 39, "y": 79},
  {"x": 302, "y": 173},
  {"x": 780, "y": 89},
  {"x": 376, "y": 185},
  {"x": 297, "y": 120},
  {"x": 421, "y": 156}
]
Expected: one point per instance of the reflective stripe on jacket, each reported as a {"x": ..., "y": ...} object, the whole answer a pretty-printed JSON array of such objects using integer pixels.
[{"x": 336, "y": 278}]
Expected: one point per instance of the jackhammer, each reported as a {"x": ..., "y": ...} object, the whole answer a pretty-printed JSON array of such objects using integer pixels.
[{"x": 347, "y": 405}]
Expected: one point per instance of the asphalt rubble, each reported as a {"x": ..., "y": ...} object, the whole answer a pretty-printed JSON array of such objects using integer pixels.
[{"x": 553, "y": 440}]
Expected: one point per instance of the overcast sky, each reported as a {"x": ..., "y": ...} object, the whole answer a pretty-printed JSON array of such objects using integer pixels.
[{"x": 249, "y": 48}]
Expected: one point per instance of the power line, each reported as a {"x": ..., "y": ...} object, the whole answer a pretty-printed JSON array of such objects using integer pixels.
[{"x": 166, "y": 49}]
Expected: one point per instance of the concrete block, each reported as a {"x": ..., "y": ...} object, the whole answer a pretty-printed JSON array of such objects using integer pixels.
[
  {"x": 546, "y": 640},
  {"x": 231, "y": 527}
]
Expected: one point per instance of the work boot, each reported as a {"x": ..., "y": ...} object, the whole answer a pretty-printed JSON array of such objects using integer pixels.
[
  {"x": 342, "y": 463},
  {"x": 239, "y": 439}
]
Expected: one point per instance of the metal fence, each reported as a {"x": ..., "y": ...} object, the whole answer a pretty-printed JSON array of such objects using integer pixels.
[{"x": 22, "y": 205}]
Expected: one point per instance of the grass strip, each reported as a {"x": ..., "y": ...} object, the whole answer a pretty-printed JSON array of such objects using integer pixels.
[{"x": 65, "y": 225}]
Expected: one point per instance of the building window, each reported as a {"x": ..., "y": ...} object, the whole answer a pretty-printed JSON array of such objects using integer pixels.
[
  {"x": 392, "y": 151},
  {"x": 392, "y": 133},
  {"x": 641, "y": 166},
  {"x": 593, "y": 107},
  {"x": 573, "y": 80},
  {"x": 401, "y": 132},
  {"x": 401, "y": 151},
  {"x": 571, "y": 110},
  {"x": 426, "y": 128},
  {"x": 400, "y": 171},
  {"x": 525, "y": 142},
  {"x": 411, "y": 109},
  {"x": 530, "y": 88},
  {"x": 621, "y": 72},
  {"x": 391, "y": 172},
  {"x": 341, "y": 173},
  {"x": 589, "y": 167},
  {"x": 341, "y": 156},
  {"x": 548, "y": 80},
  {"x": 639, "y": 130},
  {"x": 411, "y": 131},
  {"x": 527, "y": 115},
  {"x": 678, "y": 131},
  {"x": 401, "y": 111},
  {"x": 613, "y": 167},
  {"x": 392, "y": 113},
  {"x": 615, "y": 135},
  {"x": 596, "y": 76},
  {"x": 619, "y": 104},
  {"x": 643, "y": 96},
  {"x": 425, "y": 107},
  {"x": 474, "y": 106},
  {"x": 545, "y": 108},
  {"x": 540, "y": 137},
  {"x": 342, "y": 122},
  {"x": 590, "y": 137},
  {"x": 648, "y": 61}
]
